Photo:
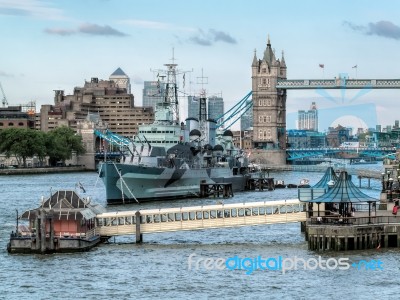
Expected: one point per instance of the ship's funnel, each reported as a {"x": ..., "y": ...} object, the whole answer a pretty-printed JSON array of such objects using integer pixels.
[{"x": 194, "y": 135}]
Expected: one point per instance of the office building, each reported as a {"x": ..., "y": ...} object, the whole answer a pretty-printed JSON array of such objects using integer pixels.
[
  {"x": 153, "y": 93},
  {"x": 246, "y": 120},
  {"x": 308, "y": 120},
  {"x": 193, "y": 107},
  {"x": 215, "y": 108}
]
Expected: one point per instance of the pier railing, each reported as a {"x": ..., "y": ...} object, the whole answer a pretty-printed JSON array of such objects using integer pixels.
[
  {"x": 200, "y": 217},
  {"x": 316, "y": 168},
  {"x": 355, "y": 221}
]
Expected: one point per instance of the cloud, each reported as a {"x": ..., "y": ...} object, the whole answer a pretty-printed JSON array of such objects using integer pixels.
[
  {"x": 30, "y": 8},
  {"x": 211, "y": 37},
  {"x": 5, "y": 74},
  {"x": 99, "y": 30},
  {"x": 91, "y": 29},
  {"x": 385, "y": 29}
]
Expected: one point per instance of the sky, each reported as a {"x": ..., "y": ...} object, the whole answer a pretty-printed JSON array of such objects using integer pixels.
[{"x": 52, "y": 45}]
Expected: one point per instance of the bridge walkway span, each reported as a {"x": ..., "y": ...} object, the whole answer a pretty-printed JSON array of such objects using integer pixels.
[{"x": 199, "y": 217}]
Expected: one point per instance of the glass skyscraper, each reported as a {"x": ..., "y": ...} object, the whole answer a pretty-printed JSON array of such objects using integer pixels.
[
  {"x": 215, "y": 108},
  {"x": 153, "y": 93},
  {"x": 193, "y": 107}
]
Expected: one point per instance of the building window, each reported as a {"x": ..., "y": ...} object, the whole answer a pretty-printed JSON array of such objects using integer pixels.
[
  {"x": 264, "y": 70},
  {"x": 10, "y": 124},
  {"x": 265, "y": 81},
  {"x": 269, "y": 102}
]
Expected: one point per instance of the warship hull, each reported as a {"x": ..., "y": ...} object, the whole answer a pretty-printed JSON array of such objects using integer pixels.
[{"x": 127, "y": 183}]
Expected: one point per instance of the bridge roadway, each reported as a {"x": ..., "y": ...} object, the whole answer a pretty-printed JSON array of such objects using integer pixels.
[
  {"x": 300, "y": 153},
  {"x": 320, "y": 169},
  {"x": 199, "y": 217},
  {"x": 338, "y": 83}
]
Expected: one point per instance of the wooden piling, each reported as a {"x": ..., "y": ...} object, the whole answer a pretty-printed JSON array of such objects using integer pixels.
[{"x": 139, "y": 236}]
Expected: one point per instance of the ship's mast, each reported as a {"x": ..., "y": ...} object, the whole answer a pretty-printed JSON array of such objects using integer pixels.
[
  {"x": 171, "y": 91},
  {"x": 171, "y": 88},
  {"x": 203, "y": 107}
]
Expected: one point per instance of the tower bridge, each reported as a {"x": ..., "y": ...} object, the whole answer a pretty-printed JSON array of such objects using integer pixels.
[{"x": 269, "y": 94}]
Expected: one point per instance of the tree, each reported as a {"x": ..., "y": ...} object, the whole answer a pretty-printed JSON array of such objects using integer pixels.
[
  {"x": 40, "y": 146},
  {"x": 61, "y": 142},
  {"x": 22, "y": 143}
]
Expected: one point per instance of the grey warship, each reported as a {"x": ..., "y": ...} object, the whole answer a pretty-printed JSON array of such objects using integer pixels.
[{"x": 168, "y": 159}]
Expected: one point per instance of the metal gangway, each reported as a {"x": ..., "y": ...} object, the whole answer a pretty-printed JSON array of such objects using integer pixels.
[{"x": 199, "y": 217}]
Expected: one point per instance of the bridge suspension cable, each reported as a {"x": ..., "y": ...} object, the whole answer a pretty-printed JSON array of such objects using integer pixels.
[
  {"x": 113, "y": 138},
  {"x": 234, "y": 113}
]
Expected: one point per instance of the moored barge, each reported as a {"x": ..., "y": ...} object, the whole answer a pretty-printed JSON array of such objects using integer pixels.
[{"x": 64, "y": 222}]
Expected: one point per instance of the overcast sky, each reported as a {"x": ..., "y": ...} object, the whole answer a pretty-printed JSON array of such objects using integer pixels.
[{"x": 49, "y": 45}]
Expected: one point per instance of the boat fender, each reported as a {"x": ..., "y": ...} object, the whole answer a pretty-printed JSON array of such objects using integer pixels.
[{"x": 55, "y": 240}]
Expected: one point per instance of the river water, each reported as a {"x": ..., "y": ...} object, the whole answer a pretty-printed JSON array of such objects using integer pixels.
[{"x": 160, "y": 268}]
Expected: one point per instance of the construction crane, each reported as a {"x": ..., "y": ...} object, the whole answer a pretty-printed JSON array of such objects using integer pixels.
[{"x": 4, "y": 100}]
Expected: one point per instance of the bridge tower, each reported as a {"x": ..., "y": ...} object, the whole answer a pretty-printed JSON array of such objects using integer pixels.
[{"x": 269, "y": 108}]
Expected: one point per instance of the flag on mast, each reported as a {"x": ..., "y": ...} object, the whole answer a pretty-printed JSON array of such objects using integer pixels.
[
  {"x": 322, "y": 66},
  {"x": 355, "y": 67}
]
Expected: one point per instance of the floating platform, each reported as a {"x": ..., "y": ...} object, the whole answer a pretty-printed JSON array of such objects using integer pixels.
[
  {"x": 216, "y": 190},
  {"x": 260, "y": 184},
  {"x": 354, "y": 233}
]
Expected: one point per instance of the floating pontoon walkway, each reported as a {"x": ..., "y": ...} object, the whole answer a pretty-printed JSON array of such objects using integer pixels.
[{"x": 199, "y": 217}]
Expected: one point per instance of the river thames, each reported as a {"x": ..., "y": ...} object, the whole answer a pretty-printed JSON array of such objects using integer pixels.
[{"x": 171, "y": 265}]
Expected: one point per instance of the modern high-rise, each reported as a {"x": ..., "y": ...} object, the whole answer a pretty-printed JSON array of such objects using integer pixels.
[
  {"x": 308, "y": 120},
  {"x": 193, "y": 107},
  {"x": 153, "y": 93},
  {"x": 215, "y": 108},
  {"x": 121, "y": 80},
  {"x": 246, "y": 120}
]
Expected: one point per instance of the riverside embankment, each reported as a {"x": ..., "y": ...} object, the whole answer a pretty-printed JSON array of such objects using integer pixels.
[{"x": 49, "y": 170}]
